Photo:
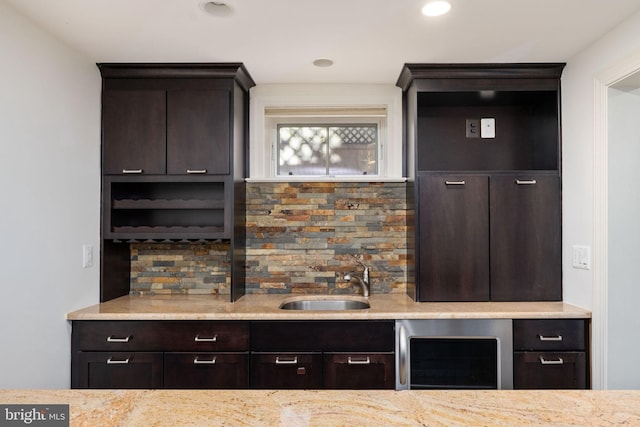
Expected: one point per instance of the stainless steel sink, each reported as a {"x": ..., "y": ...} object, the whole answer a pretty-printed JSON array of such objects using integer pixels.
[{"x": 325, "y": 304}]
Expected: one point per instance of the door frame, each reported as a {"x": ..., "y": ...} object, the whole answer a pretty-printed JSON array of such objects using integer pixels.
[{"x": 600, "y": 311}]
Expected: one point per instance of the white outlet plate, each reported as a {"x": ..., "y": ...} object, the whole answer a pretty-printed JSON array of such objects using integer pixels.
[{"x": 582, "y": 257}]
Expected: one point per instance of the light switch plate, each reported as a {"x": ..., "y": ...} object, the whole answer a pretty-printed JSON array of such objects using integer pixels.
[
  {"x": 87, "y": 256},
  {"x": 488, "y": 128},
  {"x": 582, "y": 257}
]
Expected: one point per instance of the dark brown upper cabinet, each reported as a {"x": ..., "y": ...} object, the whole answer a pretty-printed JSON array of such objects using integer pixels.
[
  {"x": 174, "y": 119},
  {"x": 198, "y": 132},
  {"x": 134, "y": 132},
  {"x": 454, "y": 238},
  {"x": 443, "y": 100},
  {"x": 482, "y": 143},
  {"x": 174, "y": 160},
  {"x": 526, "y": 238}
]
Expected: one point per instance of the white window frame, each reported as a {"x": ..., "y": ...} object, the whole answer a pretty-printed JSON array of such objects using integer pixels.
[{"x": 349, "y": 100}]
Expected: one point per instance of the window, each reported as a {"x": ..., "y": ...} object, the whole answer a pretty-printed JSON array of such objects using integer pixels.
[
  {"x": 326, "y": 132},
  {"x": 327, "y": 150}
]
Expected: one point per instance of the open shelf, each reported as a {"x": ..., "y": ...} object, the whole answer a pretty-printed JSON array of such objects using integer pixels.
[
  {"x": 162, "y": 208},
  {"x": 526, "y": 135}
]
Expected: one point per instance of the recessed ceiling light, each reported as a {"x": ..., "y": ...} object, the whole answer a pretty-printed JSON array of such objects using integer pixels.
[
  {"x": 323, "y": 63},
  {"x": 436, "y": 8},
  {"x": 216, "y": 8}
]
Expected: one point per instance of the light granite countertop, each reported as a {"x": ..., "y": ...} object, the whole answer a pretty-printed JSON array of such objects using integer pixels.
[
  {"x": 148, "y": 408},
  {"x": 266, "y": 307}
]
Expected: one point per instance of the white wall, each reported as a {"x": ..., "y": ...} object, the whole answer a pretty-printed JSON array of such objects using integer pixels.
[
  {"x": 49, "y": 186},
  {"x": 578, "y": 150},
  {"x": 623, "y": 326},
  {"x": 584, "y": 183}
]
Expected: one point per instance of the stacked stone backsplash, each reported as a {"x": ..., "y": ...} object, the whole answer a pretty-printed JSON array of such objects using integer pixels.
[
  {"x": 180, "y": 268},
  {"x": 301, "y": 238}
]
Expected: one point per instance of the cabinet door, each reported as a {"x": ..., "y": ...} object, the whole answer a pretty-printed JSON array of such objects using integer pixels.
[
  {"x": 206, "y": 370},
  {"x": 549, "y": 370},
  {"x": 453, "y": 238},
  {"x": 120, "y": 370},
  {"x": 198, "y": 131},
  {"x": 133, "y": 131},
  {"x": 359, "y": 371},
  {"x": 286, "y": 370},
  {"x": 525, "y": 238}
]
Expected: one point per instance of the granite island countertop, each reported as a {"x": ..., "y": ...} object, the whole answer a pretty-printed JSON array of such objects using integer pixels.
[
  {"x": 148, "y": 408},
  {"x": 266, "y": 307}
]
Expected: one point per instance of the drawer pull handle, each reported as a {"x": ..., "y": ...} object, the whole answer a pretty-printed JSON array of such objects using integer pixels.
[
  {"x": 557, "y": 361},
  {"x": 550, "y": 338},
  {"x": 116, "y": 339},
  {"x": 131, "y": 171},
  {"x": 526, "y": 181},
  {"x": 198, "y": 338},
  {"x": 112, "y": 361},
  {"x": 290, "y": 361},
  {"x": 198, "y": 361},
  {"x": 352, "y": 361},
  {"x": 196, "y": 171},
  {"x": 454, "y": 182}
]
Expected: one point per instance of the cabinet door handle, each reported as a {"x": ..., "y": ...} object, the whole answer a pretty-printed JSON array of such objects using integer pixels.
[
  {"x": 112, "y": 361},
  {"x": 525, "y": 181},
  {"x": 198, "y": 338},
  {"x": 198, "y": 361},
  {"x": 550, "y": 338},
  {"x": 454, "y": 182},
  {"x": 131, "y": 171},
  {"x": 557, "y": 361},
  {"x": 111, "y": 338},
  {"x": 353, "y": 361},
  {"x": 196, "y": 171},
  {"x": 286, "y": 361}
]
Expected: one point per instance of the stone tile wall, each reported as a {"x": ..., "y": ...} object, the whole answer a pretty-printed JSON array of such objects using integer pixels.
[
  {"x": 180, "y": 268},
  {"x": 301, "y": 238}
]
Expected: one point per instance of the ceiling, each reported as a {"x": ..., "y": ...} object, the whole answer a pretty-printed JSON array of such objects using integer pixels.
[{"x": 368, "y": 40}]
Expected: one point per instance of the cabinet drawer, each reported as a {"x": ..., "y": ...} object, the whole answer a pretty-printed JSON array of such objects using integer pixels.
[
  {"x": 160, "y": 336},
  {"x": 207, "y": 336},
  {"x": 206, "y": 370},
  {"x": 118, "y": 370},
  {"x": 549, "y": 370},
  {"x": 359, "y": 371},
  {"x": 307, "y": 336},
  {"x": 286, "y": 370},
  {"x": 549, "y": 334}
]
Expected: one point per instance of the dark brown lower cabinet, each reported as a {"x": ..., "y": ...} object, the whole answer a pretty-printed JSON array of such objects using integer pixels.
[
  {"x": 159, "y": 354},
  {"x": 233, "y": 354},
  {"x": 359, "y": 371},
  {"x": 550, "y": 354},
  {"x": 206, "y": 370},
  {"x": 347, "y": 354},
  {"x": 286, "y": 370},
  {"x": 109, "y": 370},
  {"x": 549, "y": 370}
]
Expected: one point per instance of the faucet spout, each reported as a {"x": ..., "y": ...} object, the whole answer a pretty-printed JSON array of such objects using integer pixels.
[{"x": 364, "y": 283}]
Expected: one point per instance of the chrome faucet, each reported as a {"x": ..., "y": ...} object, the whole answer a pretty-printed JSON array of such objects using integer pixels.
[{"x": 362, "y": 281}]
